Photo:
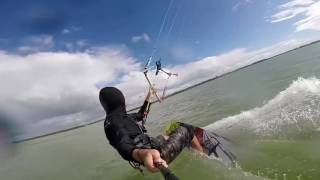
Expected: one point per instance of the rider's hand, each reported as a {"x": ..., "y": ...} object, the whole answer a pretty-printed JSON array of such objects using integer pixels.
[
  {"x": 149, "y": 157},
  {"x": 150, "y": 93}
]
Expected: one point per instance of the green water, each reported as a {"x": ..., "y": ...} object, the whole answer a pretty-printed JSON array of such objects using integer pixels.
[{"x": 271, "y": 111}]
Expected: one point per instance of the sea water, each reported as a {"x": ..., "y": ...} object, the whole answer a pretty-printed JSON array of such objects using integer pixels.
[{"x": 271, "y": 111}]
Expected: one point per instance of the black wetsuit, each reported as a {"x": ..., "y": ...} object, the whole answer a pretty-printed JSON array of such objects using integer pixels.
[{"x": 125, "y": 132}]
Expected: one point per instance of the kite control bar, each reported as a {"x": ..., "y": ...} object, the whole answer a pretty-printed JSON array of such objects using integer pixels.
[
  {"x": 145, "y": 72},
  {"x": 158, "y": 69},
  {"x": 151, "y": 86},
  {"x": 166, "y": 172}
]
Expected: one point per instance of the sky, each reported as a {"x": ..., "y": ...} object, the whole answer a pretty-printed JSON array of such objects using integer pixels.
[{"x": 56, "y": 55}]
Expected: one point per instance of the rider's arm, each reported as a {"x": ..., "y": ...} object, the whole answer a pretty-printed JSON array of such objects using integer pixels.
[
  {"x": 144, "y": 110},
  {"x": 195, "y": 144},
  {"x": 149, "y": 157},
  {"x": 128, "y": 151},
  {"x": 146, "y": 105}
]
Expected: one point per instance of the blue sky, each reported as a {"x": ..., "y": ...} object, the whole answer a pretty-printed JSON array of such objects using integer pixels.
[
  {"x": 55, "y": 55},
  {"x": 198, "y": 29}
]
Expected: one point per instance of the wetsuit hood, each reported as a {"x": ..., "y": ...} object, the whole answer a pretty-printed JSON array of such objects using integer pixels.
[{"x": 112, "y": 100}]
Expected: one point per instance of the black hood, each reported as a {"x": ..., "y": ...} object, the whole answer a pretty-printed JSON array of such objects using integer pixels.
[{"x": 112, "y": 99}]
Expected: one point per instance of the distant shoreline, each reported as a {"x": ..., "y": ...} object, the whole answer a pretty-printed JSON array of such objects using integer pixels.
[
  {"x": 239, "y": 69},
  {"x": 175, "y": 93}
]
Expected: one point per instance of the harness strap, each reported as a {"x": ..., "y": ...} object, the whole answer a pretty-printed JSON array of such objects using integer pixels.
[
  {"x": 143, "y": 141},
  {"x": 136, "y": 165}
]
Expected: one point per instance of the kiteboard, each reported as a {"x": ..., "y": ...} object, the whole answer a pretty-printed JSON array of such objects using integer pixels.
[{"x": 214, "y": 146}]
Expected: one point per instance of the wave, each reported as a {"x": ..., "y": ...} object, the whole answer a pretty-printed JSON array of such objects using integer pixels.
[{"x": 294, "y": 112}]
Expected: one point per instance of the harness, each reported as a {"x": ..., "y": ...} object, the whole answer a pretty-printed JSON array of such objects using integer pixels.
[
  {"x": 144, "y": 141},
  {"x": 141, "y": 141}
]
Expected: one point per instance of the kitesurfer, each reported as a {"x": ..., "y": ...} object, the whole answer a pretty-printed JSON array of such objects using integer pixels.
[{"x": 127, "y": 133}]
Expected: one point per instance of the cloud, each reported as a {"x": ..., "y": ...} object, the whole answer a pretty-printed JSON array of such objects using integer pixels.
[
  {"x": 182, "y": 53},
  {"x": 70, "y": 46},
  {"x": 239, "y": 4},
  {"x": 82, "y": 43},
  {"x": 70, "y": 30},
  {"x": 37, "y": 43},
  {"x": 134, "y": 85},
  {"x": 141, "y": 38},
  {"x": 66, "y": 31},
  {"x": 48, "y": 91},
  {"x": 296, "y": 3},
  {"x": 307, "y": 10},
  {"x": 79, "y": 45},
  {"x": 43, "y": 85}
]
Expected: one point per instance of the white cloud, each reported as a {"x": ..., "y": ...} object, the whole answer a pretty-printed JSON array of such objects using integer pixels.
[
  {"x": 78, "y": 45},
  {"x": 70, "y": 46},
  {"x": 37, "y": 43},
  {"x": 239, "y": 4},
  {"x": 65, "y": 31},
  {"x": 70, "y": 29},
  {"x": 82, "y": 43},
  {"x": 45, "y": 86},
  {"x": 182, "y": 53},
  {"x": 44, "y": 40},
  {"x": 296, "y": 3},
  {"x": 308, "y": 10},
  {"x": 141, "y": 38},
  {"x": 134, "y": 84}
]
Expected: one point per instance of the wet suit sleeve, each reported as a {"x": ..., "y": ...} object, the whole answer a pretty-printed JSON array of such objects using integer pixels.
[{"x": 143, "y": 112}]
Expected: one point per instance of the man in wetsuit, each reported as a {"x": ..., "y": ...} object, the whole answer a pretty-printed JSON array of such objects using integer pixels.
[{"x": 127, "y": 134}]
